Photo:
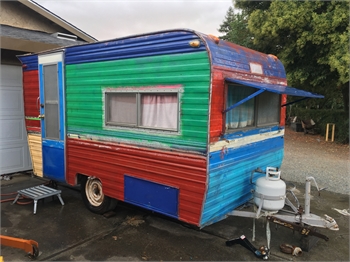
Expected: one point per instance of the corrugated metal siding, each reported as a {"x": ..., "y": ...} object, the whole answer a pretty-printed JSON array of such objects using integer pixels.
[
  {"x": 84, "y": 101},
  {"x": 31, "y": 94},
  {"x": 217, "y": 106},
  {"x": 230, "y": 172},
  {"x": 238, "y": 58},
  {"x": 218, "y": 98},
  {"x": 171, "y": 42},
  {"x": 230, "y": 169},
  {"x": 29, "y": 62},
  {"x": 110, "y": 162},
  {"x": 34, "y": 141},
  {"x": 231, "y": 60}
]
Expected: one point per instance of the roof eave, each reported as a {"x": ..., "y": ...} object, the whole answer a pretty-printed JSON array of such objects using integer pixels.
[{"x": 59, "y": 21}]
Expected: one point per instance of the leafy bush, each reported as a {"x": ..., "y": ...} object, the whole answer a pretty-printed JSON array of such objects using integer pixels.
[{"x": 323, "y": 116}]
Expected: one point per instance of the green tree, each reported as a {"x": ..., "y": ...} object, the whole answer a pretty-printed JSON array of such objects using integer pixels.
[
  {"x": 235, "y": 28},
  {"x": 311, "y": 38}
]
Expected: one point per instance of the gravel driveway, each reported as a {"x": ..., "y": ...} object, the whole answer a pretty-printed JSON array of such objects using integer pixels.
[{"x": 310, "y": 155}]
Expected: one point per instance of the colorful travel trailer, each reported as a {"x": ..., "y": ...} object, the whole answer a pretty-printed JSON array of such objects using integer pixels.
[{"x": 177, "y": 122}]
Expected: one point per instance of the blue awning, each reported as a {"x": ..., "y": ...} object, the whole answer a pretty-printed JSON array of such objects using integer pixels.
[{"x": 279, "y": 89}]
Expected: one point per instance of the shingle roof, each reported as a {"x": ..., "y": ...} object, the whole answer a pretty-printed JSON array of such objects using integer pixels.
[
  {"x": 57, "y": 20},
  {"x": 35, "y": 36}
]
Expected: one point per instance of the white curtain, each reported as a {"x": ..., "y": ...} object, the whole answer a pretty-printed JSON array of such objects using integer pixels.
[
  {"x": 159, "y": 111},
  {"x": 243, "y": 115},
  {"x": 122, "y": 108}
]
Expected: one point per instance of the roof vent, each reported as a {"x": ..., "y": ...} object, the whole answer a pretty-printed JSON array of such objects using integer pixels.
[{"x": 65, "y": 36}]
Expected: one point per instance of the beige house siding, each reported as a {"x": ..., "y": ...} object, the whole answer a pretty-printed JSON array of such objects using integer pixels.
[{"x": 17, "y": 15}]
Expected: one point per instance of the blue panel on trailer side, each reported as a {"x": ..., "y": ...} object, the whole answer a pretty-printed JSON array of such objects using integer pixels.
[
  {"x": 238, "y": 58},
  {"x": 230, "y": 173},
  {"x": 171, "y": 42},
  {"x": 29, "y": 62},
  {"x": 53, "y": 160},
  {"x": 153, "y": 196}
]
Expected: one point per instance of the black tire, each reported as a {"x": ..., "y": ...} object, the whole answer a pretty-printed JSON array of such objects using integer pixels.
[{"x": 93, "y": 196}]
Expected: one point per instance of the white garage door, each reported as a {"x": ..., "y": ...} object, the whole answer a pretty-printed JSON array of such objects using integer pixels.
[{"x": 14, "y": 153}]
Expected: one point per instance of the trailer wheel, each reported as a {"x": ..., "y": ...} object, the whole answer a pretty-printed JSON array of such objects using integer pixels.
[{"x": 93, "y": 197}]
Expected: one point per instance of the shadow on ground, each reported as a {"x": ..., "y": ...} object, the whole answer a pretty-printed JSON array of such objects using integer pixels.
[{"x": 72, "y": 233}]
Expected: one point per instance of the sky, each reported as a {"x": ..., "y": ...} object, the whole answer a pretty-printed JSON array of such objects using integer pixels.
[{"x": 108, "y": 19}]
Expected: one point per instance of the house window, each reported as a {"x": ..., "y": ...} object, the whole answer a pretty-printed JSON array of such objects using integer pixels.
[
  {"x": 142, "y": 109},
  {"x": 262, "y": 110}
]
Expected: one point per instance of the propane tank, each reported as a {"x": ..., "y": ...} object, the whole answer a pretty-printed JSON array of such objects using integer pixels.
[{"x": 271, "y": 189}]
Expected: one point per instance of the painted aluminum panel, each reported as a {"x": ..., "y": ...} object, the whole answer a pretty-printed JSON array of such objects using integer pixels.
[
  {"x": 31, "y": 102},
  {"x": 110, "y": 162},
  {"x": 153, "y": 196},
  {"x": 85, "y": 100},
  {"x": 35, "y": 150},
  {"x": 29, "y": 62},
  {"x": 218, "y": 102},
  {"x": 231, "y": 168},
  {"x": 53, "y": 160},
  {"x": 275, "y": 88},
  {"x": 241, "y": 59},
  {"x": 173, "y": 42}
]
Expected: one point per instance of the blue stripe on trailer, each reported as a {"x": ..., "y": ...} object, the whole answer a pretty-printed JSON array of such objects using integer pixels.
[
  {"x": 230, "y": 174},
  {"x": 29, "y": 62},
  {"x": 173, "y": 42}
]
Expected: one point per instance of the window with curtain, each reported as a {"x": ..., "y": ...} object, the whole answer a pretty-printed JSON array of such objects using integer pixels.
[
  {"x": 122, "y": 109},
  {"x": 154, "y": 110},
  {"x": 262, "y": 110},
  {"x": 159, "y": 111},
  {"x": 243, "y": 115}
]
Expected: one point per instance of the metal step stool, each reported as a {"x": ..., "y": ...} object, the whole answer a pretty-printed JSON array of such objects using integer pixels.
[{"x": 39, "y": 192}]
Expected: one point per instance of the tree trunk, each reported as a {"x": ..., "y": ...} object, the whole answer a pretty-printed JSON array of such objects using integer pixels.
[{"x": 345, "y": 91}]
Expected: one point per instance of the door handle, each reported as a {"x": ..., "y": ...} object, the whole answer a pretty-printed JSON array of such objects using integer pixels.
[
  {"x": 41, "y": 116},
  {"x": 37, "y": 103}
]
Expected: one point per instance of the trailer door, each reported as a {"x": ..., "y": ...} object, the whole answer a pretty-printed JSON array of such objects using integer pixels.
[{"x": 51, "y": 81}]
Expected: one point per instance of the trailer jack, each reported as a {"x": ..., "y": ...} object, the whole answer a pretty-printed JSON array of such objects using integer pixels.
[
  {"x": 301, "y": 220},
  {"x": 29, "y": 246},
  {"x": 262, "y": 252}
]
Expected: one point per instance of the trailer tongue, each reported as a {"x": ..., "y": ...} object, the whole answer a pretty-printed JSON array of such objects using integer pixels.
[{"x": 271, "y": 197}]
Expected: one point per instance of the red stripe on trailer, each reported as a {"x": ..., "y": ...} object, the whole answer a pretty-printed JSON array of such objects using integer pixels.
[
  {"x": 111, "y": 161},
  {"x": 30, "y": 95}
]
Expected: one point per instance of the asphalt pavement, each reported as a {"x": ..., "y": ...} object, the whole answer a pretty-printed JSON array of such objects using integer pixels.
[{"x": 72, "y": 233}]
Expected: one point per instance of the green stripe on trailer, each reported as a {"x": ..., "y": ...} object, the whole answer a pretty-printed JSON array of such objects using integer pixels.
[{"x": 84, "y": 96}]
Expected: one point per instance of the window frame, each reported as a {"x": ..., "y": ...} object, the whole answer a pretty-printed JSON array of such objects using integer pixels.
[
  {"x": 255, "y": 125},
  {"x": 138, "y": 93}
]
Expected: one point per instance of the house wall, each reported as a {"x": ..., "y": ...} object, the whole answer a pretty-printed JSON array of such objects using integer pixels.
[
  {"x": 8, "y": 57},
  {"x": 14, "y": 153},
  {"x": 15, "y": 14}
]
